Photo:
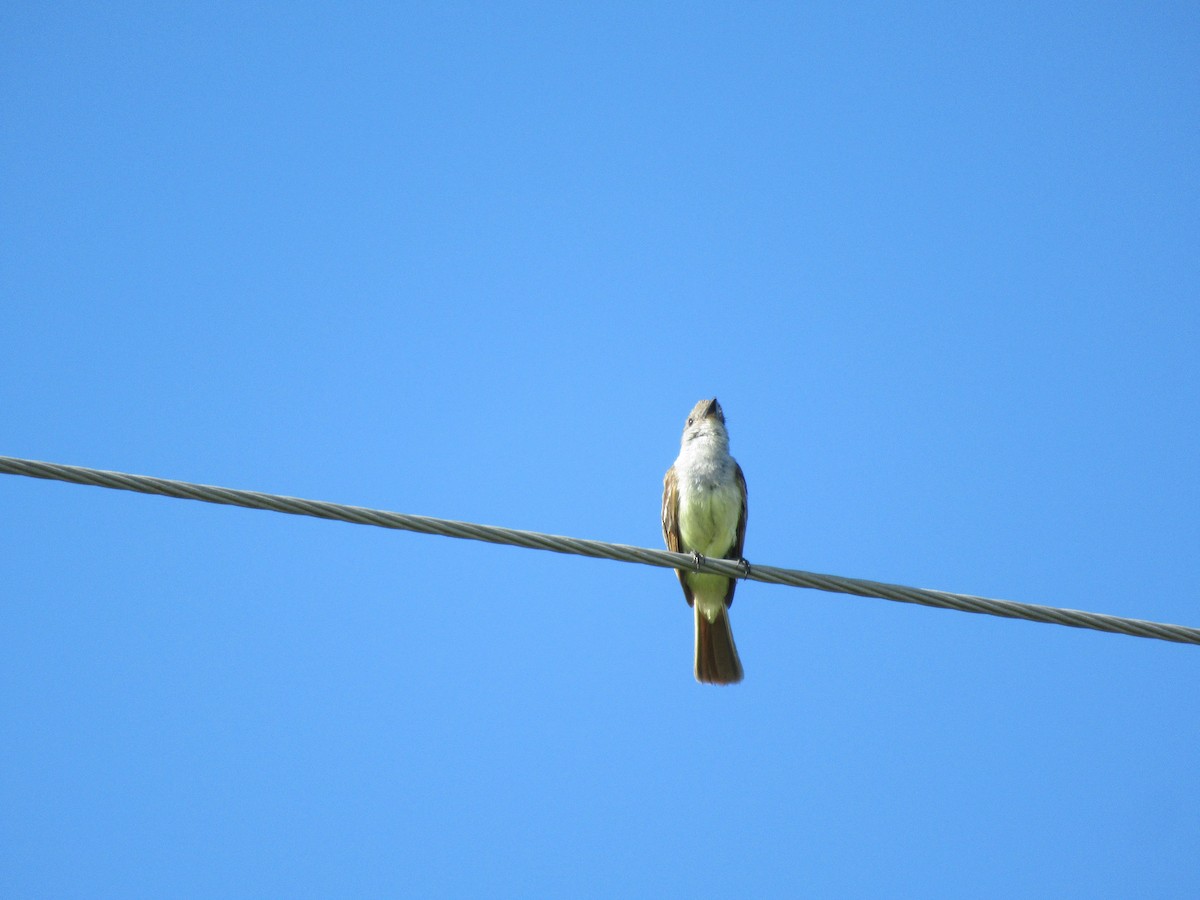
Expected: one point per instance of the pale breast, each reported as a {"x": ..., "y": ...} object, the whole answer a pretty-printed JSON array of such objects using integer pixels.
[{"x": 708, "y": 517}]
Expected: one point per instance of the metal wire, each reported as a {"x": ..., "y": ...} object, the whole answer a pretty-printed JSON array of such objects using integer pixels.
[{"x": 360, "y": 515}]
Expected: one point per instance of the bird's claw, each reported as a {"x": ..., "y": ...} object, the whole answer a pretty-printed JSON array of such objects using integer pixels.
[
  {"x": 697, "y": 560},
  {"x": 744, "y": 566}
]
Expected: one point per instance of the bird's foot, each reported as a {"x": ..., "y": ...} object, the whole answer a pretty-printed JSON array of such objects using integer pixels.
[
  {"x": 697, "y": 560},
  {"x": 744, "y": 565}
]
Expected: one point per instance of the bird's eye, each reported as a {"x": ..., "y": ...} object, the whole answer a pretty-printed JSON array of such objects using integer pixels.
[{"x": 691, "y": 420}]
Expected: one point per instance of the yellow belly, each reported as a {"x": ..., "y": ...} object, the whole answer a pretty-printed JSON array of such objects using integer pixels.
[{"x": 708, "y": 519}]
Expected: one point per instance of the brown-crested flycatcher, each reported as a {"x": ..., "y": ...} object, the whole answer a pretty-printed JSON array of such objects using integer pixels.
[{"x": 704, "y": 514}]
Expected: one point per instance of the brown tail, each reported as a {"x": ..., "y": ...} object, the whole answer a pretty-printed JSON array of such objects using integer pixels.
[{"x": 716, "y": 656}]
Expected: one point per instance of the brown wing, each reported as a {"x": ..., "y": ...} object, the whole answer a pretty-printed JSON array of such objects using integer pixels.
[
  {"x": 670, "y": 524},
  {"x": 735, "y": 552}
]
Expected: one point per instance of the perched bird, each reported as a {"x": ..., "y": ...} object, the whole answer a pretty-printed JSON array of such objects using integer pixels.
[{"x": 704, "y": 514}]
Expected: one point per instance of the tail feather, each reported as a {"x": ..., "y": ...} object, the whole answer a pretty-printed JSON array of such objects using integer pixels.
[{"x": 716, "y": 655}]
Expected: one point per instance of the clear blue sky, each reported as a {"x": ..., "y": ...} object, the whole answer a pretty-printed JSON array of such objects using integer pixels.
[{"x": 940, "y": 265}]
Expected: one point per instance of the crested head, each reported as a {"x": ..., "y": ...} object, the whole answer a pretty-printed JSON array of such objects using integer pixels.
[{"x": 706, "y": 421}]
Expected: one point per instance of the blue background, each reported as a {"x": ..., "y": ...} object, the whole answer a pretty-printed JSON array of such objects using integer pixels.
[{"x": 939, "y": 264}]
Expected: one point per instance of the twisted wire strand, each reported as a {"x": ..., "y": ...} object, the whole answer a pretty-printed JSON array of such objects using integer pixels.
[{"x": 534, "y": 540}]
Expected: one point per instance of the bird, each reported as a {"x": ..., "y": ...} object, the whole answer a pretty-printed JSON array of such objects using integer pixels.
[{"x": 704, "y": 514}]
